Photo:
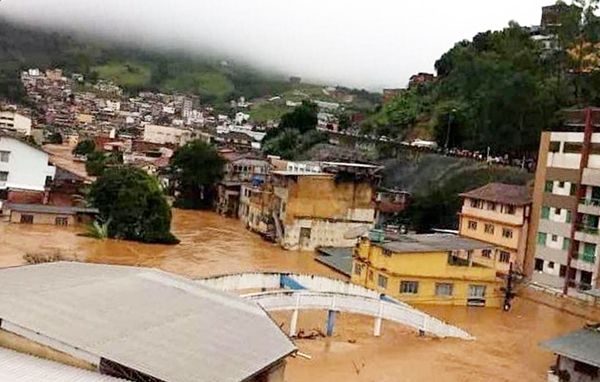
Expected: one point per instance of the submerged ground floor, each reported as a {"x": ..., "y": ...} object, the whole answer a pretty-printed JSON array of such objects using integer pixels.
[{"x": 506, "y": 348}]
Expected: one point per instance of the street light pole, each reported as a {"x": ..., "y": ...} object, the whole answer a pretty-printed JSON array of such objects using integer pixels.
[{"x": 449, "y": 126}]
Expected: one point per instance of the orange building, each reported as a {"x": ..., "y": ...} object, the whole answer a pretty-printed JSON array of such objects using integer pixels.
[{"x": 498, "y": 214}]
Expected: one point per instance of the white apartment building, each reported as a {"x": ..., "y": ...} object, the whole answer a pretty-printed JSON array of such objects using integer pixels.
[
  {"x": 23, "y": 166},
  {"x": 166, "y": 134},
  {"x": 13, "y": 121}
]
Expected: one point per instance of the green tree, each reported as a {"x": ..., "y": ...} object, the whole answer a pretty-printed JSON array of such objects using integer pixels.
[
  {"x": 55, "y": 138},
  {"x": 286, "y": 144},
  {"x": 303, "y": 118},
  {"x": 85, "y": 147},
  {"x": 196, "y": 168},
  {"x": 95, "y": 163},
  {"x": 133, "y": 204},
  {"x": 11, "y": 87}
]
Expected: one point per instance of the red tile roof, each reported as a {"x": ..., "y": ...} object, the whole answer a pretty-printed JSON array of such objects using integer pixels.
[{"x": 501, "y": 193}]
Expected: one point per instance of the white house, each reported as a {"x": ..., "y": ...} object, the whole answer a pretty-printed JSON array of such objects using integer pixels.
[
  {"x": 23, "y": 166},
  {"x": 166, "y": 134},
  {"x": 13, "y": 121}
]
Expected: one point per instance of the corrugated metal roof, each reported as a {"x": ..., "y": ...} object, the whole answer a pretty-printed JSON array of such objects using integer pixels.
[
  {"x": 581, "y": 345},
  {"x": 18, "y": 367},
  {"x": 157, "y": 323}
]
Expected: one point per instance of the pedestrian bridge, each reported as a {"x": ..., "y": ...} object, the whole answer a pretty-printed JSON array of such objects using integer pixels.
[{"x": 296, "y": 292}]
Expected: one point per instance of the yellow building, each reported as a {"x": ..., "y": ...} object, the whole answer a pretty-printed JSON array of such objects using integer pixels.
[
  {"x": 498, "y": 214},
  {"x": 427, "y": 269}
]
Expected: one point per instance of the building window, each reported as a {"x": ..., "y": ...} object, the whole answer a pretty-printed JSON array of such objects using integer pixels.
[
  {"x": 61, "y": 221},
  {"x": 566, "y": 244},
  {"x": 444, "y": 289},
  {"x": 382, "y": 281},
  {"x": 573, "y": 191},
  {"x": 585, "y": 280},
  {"x": 573, "y": 147},
  {"x": 550, "y": 264},
  {"x": 3, "y": 176},
  {"x": 487, "y": 253},
  {"x": 554, "y": 147},
  {"x": 358, "y": 268},
  {"x": 554, "y": 238},
  {"x": 4, "y": 156},
  {"x": 477, "y": 291},
  {"x": 561, "y": 184},
  {"x": 472, "y": 225},
  {"x": 305, "y": 234},
  {"x": 26, "y": 219},
  {"x": 489, "y": 228},
  {"x": 504, "y": 257},
  {"x": 475, "y": 203},
  {"x": 569, "y": 217},
  {"x": 507, "y": 233},
  {"x": 545, "y": 212},
  {"x": 539, "y": 265},
  {"x": 510, "y": 210},
  {"x": 563, "y": 271},
  {"x": 491, "y": 206},
  {"x": 549, "y": 186},
  {"x": 541, "y": 238},
  {"x": 409, "y": 287},
  {"x": 586, "y": 369},
  {"x": 589, "y": 253},
  {"x": 386, "y": 252}
]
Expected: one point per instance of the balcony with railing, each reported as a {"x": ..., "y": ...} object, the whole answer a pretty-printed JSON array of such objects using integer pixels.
[
  {"x": 589, "y": 206},
  {"x": 588, "y": 229},
  {"x": 587, "y": 234}
]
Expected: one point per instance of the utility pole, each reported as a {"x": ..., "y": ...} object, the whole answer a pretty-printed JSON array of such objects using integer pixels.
[
  {"x": 508, "y": 291},
  {"x": 450, "y": 118}
]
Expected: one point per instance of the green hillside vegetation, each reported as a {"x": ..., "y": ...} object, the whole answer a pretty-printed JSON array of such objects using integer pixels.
[
  {"x": 436, "y": 181},
  {"x": 267, "y": 111},
  {"x": 501, "y": 84},
  {"x": 134, "y": 69},
  {"x": 127, "y": 74}
]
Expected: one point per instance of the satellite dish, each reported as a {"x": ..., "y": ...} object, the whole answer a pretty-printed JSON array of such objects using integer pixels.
[{"x": 356, "y": 232}]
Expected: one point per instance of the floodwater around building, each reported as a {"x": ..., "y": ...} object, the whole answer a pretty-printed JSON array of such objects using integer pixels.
[{"x": 506, "y": 347}]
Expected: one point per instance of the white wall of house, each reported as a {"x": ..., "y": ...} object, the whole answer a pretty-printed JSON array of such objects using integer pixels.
[
  {"x": 166, "y": 134},
  {"x": 15, "y": 122},
  {"x": 24, "y": 167},
  {"x": 322, "y": 233}
]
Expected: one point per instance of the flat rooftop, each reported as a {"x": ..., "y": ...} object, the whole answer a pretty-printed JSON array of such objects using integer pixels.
[
  {"x": 49, "y": 209},
  {"x": 149, "y": 321},
  {"x": 434, "y": 242}
]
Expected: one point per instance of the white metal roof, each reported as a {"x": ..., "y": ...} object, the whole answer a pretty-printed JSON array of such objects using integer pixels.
[
  {"x": 159, "y": 324},
  {"x": 18, "y": 367}
]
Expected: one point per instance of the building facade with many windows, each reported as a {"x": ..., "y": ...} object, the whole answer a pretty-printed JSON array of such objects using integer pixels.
[
  {"x": 566, "y": 207},
  {"x": 427, "y": 269},
  {"x": 498, "y": 214}
]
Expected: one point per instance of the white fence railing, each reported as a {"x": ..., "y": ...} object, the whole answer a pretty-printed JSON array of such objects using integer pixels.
[{"x": 374, "y": 307}]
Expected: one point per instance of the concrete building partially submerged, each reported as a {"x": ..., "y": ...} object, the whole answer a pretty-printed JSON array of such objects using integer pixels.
[
  {"x": 138, "y": 324},
  {"x": 427, "y": 269},
  {"x": 304, "y": 209}
]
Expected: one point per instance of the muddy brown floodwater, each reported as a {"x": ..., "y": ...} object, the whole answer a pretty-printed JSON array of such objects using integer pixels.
[{"x": 506, "y": 348}]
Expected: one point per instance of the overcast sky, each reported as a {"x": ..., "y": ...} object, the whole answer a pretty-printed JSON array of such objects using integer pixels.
[{"x": 362, "y": 43}]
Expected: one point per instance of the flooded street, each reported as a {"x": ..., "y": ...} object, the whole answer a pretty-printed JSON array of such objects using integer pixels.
[{"x": 506, "y": 348}]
